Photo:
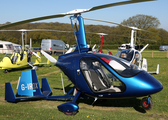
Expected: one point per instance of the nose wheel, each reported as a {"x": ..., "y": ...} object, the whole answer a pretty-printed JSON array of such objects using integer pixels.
[{"x": 147, "y": 103}]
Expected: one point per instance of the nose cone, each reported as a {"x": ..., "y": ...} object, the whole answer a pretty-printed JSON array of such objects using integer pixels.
[{"x": 149, "y": 84}]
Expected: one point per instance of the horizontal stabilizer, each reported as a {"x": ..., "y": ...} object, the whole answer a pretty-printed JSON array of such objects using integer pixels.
[{"x": 28, "y": 88}]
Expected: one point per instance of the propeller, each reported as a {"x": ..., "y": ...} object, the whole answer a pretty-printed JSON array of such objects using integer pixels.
[
  {"x": 49, "y": 57},
  {"x": 76, "y": 11}
]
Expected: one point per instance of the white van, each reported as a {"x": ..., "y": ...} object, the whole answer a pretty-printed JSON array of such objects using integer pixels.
[
  {"x": 51, "y": 45},
  {"x": 163, "y": 48},
  {"x": 6, "y": 47}
]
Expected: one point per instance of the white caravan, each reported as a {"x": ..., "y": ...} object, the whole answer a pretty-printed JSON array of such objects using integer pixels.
[{"x": 6, "y": 47}]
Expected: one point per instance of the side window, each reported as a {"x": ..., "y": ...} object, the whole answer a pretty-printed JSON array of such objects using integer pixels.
[
  {"x": 1, "y": 46},
  {"x": 98, "y": 77},
  {"x": 114, "y": 81},
  {"x": 136, "y": 59}
]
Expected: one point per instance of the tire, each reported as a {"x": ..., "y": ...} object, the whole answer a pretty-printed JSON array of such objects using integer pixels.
[
  {"x": 5, "y": 71},
  {"x": 71, "y": 113},
  {"x": 145, "y": 105}
]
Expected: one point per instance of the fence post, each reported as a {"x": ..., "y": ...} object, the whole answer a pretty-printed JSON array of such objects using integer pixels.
[
  {"x": 167, "y": 54},
  {"x": 152, "y": 53}
]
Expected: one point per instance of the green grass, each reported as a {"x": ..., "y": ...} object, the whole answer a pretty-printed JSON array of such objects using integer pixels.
[{"x": 127, "y": 109}]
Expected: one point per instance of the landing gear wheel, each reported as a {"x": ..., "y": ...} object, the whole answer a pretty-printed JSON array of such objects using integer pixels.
[
  {"x": 146, "y": 103},
  {"x": 5, "y": 71},
  {"x": 70, "y": 113}
]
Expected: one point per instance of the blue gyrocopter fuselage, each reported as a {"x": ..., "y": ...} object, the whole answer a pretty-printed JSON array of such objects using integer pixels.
[{"x": 105, "y": 76}]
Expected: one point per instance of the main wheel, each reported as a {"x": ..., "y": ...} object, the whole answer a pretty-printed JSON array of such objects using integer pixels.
[
  {"x": 147, "y": 105},
  {"x": 70, "y": 113},
  {"x": 5, "y": 71}
]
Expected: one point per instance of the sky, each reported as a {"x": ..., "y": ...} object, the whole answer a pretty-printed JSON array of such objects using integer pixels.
[{"x": 17, "y": 10}]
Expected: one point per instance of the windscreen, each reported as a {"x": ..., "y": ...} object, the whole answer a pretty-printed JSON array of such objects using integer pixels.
[
  {"x": 125, "y": 54},
  {"x": 121, "y": 66}
]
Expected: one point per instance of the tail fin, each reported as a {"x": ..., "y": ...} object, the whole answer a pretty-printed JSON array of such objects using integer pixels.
[
  {"x": 29, "y": 85},
  {"x": 9, "y": 94},
  {"x": 144, "y": 64},
  {"x": 48, "y": 62},
  {"x": 38, "y": 60},
  {"x": 45, "y": 87}
]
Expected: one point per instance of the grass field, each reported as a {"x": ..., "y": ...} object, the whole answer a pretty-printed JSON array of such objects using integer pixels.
[{"x": 119, "y": 109}]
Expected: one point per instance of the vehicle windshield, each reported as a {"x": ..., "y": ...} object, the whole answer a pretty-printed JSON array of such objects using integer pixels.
[{"x": 121, "y": 66}]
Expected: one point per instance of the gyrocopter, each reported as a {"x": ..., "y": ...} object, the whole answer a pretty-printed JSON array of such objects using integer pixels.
[
  {"x": 95, "y": 75},
  {"x": 21, "y": 59},
  {"x": 101, "y": 38}
]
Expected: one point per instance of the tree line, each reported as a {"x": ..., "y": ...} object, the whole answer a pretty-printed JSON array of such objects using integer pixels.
[{"x": 117, "y": 35}]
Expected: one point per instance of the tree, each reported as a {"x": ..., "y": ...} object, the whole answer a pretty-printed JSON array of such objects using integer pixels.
[{"x": 142, "y": 21}]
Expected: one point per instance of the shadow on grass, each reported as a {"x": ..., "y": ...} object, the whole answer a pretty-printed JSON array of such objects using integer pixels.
[{"x": 130, "y": 102}]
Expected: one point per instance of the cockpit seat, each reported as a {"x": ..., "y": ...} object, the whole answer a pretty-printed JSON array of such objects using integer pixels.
[{"x": 97, "y": 79}]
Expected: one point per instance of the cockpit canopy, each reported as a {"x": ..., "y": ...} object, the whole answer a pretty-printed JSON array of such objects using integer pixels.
[
  {"x": 132, "y": 56},
  {"x": 121, "y": 66}
]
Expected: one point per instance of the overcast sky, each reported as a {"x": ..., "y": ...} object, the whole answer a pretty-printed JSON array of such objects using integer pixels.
[{"x": 17, "y": 10}]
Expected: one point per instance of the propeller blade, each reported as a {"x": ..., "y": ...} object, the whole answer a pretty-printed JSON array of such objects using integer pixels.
[
  {"x": 143, "y": 48},
  {"x": 49, "y": 57},
  {"x": 36, "y": 55},
  {"x": 93, "y": 47},
  {"x": 73, "y": 12},
  {"x": 69, "y": 51}
]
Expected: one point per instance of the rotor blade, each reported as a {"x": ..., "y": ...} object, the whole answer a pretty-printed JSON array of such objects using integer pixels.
[
  {"x": 27, "y": 30},
  {"x": 117, "y": 4},
  {"x": 32, "y": 20},
  {"x": 49, "y": 57},
  {"x": 73, "y": 12},
  {"x": 134, "y": 28}
]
